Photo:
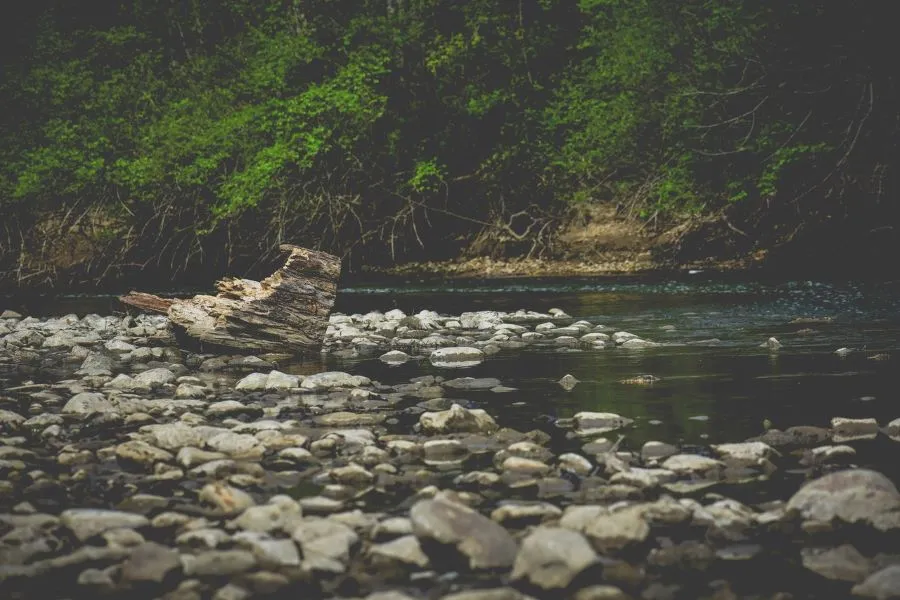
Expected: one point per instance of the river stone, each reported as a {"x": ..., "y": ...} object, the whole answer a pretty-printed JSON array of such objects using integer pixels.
[
  {"x": 843, "y": 563},
  {"x": 270, "y": 553},
  {"x": 851, "y": 496},
  {"x": 457, "y": 420},
  {"x": 391, "y": 528},
  {"x": 126, "y": 383},
  {"x": 119, "y": 346},
  {"x": 394, "y": 357},
  {"x": 282, "y": 381},
  {"x": 638, "y": 343},
  {"x": 893, "y": 429},
  {"x": 190, "y": 391},
  {"x": 579, "y": 517},
  {"x": 456, "y": 357},
  {"x": 85, "y": 523},
  {"x": 442, "y": 521},
  {"x": 349, "y": 419},
  {"x": 60, "y": 339},
  {"x": 254, "y": 382},
  {"x": 155, "y": 378},
  {"x": 173, "y": 436},
  {"x": 551, "y": 557},
  {"x": 265, "y": 518},
  {"x": 218, "y": 563},
  {"x": 150, "y": 562},
  {"x": 882, "y": 585},
  {"x": 771, "y": 343},
  {"x": 597, "y": 423},
  {"x": 404, "y": 550},
  {"x": 136, "y": 452},
  {"x": 332, "y": 379},
  {"x": 528, "y": 466},
  {"x": 235, "y": 444},
  {"x": 10, "y": 421},
  {"x": 568, "y": 382},
  {"x": 88, "y": 403},
  {"x": 325, "y": 543},
  {"x": 575, "y": 463},
  {"x": 614, "y": 531},
  {"x": 691, "y": 464},
  {"x": 656, "y": 450},
  {"x": 827, "y": 454},
  {"x": 745, "y": 451},
  {"x": 94, "y": 364},
  {"x": 227, "y": 499},
  {"x": 518, "y": 513},
  {"x": 472, "y": 383},
  {"x": 848, "y": 429},
  {"x": 444, "y": 450}
]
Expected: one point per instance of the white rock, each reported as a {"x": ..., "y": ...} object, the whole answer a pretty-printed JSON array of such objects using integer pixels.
[{"x": 456, "y": 357}]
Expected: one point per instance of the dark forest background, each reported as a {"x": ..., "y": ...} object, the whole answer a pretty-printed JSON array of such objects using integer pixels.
[{"x": 188, "y": 136}]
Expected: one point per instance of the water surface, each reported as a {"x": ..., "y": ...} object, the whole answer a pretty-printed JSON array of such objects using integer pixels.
[{"x": 716, "y": 383}]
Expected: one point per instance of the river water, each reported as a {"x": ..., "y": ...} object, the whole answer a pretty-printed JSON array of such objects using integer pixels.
[{"x": 716, "y": 383}]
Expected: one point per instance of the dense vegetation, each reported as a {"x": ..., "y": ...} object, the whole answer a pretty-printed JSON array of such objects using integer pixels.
[{"x": 188, "y": 133}]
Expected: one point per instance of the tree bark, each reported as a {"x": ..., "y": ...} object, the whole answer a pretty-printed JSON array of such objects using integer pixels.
[{"x": 285, "y": 312}]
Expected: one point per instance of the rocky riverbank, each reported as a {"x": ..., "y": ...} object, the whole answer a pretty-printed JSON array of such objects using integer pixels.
[{"x": 131, "y": 466}]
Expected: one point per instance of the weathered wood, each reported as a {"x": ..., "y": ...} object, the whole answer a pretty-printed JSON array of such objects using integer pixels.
[
  {"x": 285, "y": 312},
  {"x": 148, "y": 302}
]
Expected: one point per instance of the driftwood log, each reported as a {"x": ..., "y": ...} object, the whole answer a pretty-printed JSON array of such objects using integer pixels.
[{"x": 285, "y": 312}]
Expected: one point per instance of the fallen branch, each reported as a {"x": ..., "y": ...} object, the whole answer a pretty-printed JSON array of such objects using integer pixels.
[{"x": 285, "y": 312}]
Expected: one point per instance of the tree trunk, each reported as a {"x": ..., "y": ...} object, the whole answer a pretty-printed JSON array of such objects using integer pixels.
[{"x": 285, "y": 312}]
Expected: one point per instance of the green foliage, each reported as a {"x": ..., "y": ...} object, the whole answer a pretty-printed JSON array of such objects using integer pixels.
[
  {"x": 427, "y": 177},
  {"x": 298, "y": 118}
]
